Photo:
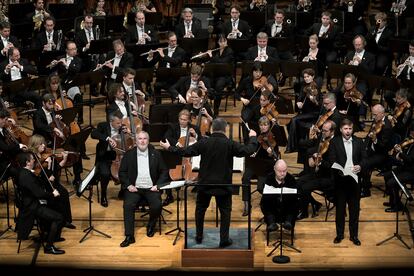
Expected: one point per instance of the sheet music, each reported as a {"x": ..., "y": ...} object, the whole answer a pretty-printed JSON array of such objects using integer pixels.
[
  {"x": 238, "y": 163},
  {"x": 268, "y": 190},
  {"x": 173, "y": 184},
  {"x": 345, "y": 171},
  {"x": 86, "y": 181}
]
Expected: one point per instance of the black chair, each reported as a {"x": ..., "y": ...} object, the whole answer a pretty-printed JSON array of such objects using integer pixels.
[
  {"x": 142, "y": 207},
  {"x": 292, "y": 234},
  {"x": 145, "y": 75},
  {"x": 329, "y": 200}
]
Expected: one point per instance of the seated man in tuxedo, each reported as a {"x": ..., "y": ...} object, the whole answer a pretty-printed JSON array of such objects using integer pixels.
[
  {"x": 48, "y": 40},
  {"x": 7, "y": 41},
  {"x": 141, "y": 33},
  {"x": 405, "y": 70},
  {"x": 236, "y": 28},
  {"x": 188, "y": 27},
  {"x": 262, "y": 52},
  {"x": 16, "y": 68},
  {"x": 275, "y": 210},
  {"x": 142, "y": 173}
]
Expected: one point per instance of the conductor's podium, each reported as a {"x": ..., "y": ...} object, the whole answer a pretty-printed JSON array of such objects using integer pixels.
[{"x": 208, "y": 253}]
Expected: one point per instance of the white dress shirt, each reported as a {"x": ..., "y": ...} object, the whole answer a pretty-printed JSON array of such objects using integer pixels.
[
  {"x": 276, "y": 28},
  {"x": 323, "y": 30},
  {"x": 117, "y": 60},
  {"x": 143, "y": 180},
  {"x": 122, "y": 108},
  {"x": 348, "y": 150},
  {"x": 170, "y": 53},
  {"x": 48, "y": 115},
  {"x": 379, "y": 33}
]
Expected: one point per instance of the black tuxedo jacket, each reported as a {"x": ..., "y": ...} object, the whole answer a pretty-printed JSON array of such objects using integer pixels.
[
  {"x": 113, "y": 107},
  {"x": 383, "y": 43},
  {"x": 175, "y": 60},
  {"x": 28, "y": 69},
  {"x": 81, "y": 39},
  {"x": 183, "y": 84},
  {"x": 7, "y": 151},
  {"x": 101, "y": 132},
  {"x": 128, "y": 170},
  {"x": 367, "y": 63},
  {"x": 195, "y": 29},
  {"x": 243, "y": 27},
  {"x": 337, "y": 151},
  {"x": 132, "y": 34},
  {"x": 330, "y": 39},
  {"x": 285, "y": 32},
  {"x": 270, "y": 51},
  {"x": 40, "y": 125},
  {"x": 41, "y": 39},
  {"x": 173, "y": 133},
  {"x": 68, "y": 74},
  {"x": 127, "y": 61}
]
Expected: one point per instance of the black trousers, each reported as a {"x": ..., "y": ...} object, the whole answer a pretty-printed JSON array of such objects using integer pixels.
[
  {"x": 347, "y": 191},
  {"x": 276, "y": 208},
  {"x": 22, "y": 96},
  {"x": 298, "y": 127},
  {"x": 311, "y": 182},
  {"x": 130, "y": 204},
  {"x": 224, "y": 204},
  {"x": 246, "y": 181},
  {"x": 392, "y": 187},
  {"x": 61, "y": 204},
  {"x": 374, "y": 160},
  {"x": 103, "y": 174},
  {"x": 54, "y": 219}
]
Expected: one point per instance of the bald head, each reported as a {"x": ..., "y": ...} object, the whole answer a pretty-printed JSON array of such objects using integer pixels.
[
  {"x": 280, "y": 169},
  {"x": 378, "y": 112}
]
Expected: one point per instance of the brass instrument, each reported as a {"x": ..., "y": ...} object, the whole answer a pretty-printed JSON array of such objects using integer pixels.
[
  {"x": 151, "y": 51},
  {"x": 213, "y": 5},
  {"x": 205, "y": 53},
  {"x": 349, "y": 3},
  {"x": 261, "y": 4},
  {"x": 401, "y": 67},
  {"x": 398, "y": 7},
  {"x": 38, "y": 20},
  {"x": 305, "y": 4}
]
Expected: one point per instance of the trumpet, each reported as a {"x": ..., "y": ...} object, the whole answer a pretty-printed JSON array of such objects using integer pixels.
[
  {"x": 99, "y": 66},
  {"x": 204, "y": 53},
  {"x": 401, "y": 67},
  {"x": 152, "y": 51}
]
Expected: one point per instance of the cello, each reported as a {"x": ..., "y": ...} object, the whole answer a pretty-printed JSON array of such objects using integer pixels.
[
  {"x": 124, "y": 141},
  {"x": 202, "y": 122},
  {"x": 65, "y": 103},
  {"x": 184, "y": 171}
]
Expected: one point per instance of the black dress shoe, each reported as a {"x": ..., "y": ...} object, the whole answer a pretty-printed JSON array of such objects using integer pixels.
[
  {"x": 128, "y": 240},
  {"x": 168, "y": 200},
  {"x": 394, "y": 209},
  {"x": 51, "y": 249},
  {"x": 302, "y": 215},
  {"x": 150, "y": 231},
  {"x": 338, "y": 239},
  {"x": 386, "y": 204},
  {"x": 226, "y": 243},
  {"x": 104, "y": 202},
  {"x": 272, "y": 227},
  {"x": 287, "y": 225},
  {"x": 60, "y": 239},
  {"x": 365, "y": 193},
  {"x": 70, "y": 225},
  {"x": 121, "y": 194},
  {"x": 355, "y": 241},
  {"x": 199, "y": 239},
  {"x": 315, "y": 209}
]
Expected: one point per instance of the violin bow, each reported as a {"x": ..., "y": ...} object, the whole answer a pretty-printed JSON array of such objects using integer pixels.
[
  {"x": 43, "y": 170},
  {"x": 245, "y": 124}
]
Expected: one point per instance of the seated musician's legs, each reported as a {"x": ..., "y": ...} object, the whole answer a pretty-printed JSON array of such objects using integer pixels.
[
  {"x": 130, "y": 203},
  {"x": 155, "y": 207},
  {"x": 268, "y": 205},
  {"x": 56, "y": 224},
  {"x": 104, "y": 173}
]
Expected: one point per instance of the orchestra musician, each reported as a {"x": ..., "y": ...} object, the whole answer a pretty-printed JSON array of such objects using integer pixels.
[
  {"x": 349, "y": 152},
  {"x": 405, "y": 70},
  {"x": 354, "y": 15},
  {"x": 401, "y": 116},
  {"x": 189, "y": 26},
  {"x": 130, "y": 86},
  {"x": 262, "y": 52},
  {"x": 141, "y": 33},
  {"x": 404, "y": 154},
  {"x": 7, "y": 41},
  {"x": 267, "y": 150},
  {"x": 38, "y": 15},
  {"x": 105, "y": 150},
  {"x": 48, "y": 40},
  {"x": 142, "y": 173},
  {"x": 182, "y": 88},
  {"x": 318, "y": 176},
  {"x": 118, "y": 101},
  {"x": 315, "y": 56},
  {"x": 199, "y": 106},
  {"x": 216, "y": 167},
  {"x": 52, "y": 169},
  {"x": 100, "y": 9},
  {"x": 33, "y": 205},
  {"x": 236, "y": 28},
  {"x": 143, "y": 6},
  {"x": 273, "y": 208},
  {"x": 378, "y": 143}
]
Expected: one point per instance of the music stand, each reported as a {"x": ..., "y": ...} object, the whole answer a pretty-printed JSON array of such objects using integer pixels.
[
  {"x": 172, "y": 160},
  {"x": 100, "y": 46},
  {"x": 164, "y": 113},
  {"x": 86, "y": 184},
  {"x": 409, "y": 197},
  {"x": 6, "y": 195},
  {"x": 156, "y": 131},
  {"x": 281, "y": 259},
  {"x": 68, "y": 114}
]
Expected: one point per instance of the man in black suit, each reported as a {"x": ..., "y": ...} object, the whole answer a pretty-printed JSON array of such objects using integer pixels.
[
  {"x": 188, "y": 27},
  {"x": 38, "y": 15},
  {"x": 7, "y": 41},
  {"x": 235, "y": 27},
  {"x": 115, "y": 63},
  {"x": 354, "y": 16},
  {"x": 216, "y": 167},
  {"x": 32, "y": 205},
  {"x": 262, "y": 52},
  {"x": 273, "y": 208},
  {"x": 141, "y": 33},
  {"x": 48, "y": 39},
  {"x": 105, "y": 152},
  {"x": 378, "y": 143},
  {"x": 349, "y": 152},
  {"x": 142, "y": 173},
  {"x": 405, "y": 71},
  {"x": 378, "y": 38},
  {"x": 16, "y": 68}
]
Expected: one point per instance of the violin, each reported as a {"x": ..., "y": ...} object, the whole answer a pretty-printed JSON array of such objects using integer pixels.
[
  {"x": 398, "y": 111},
  {"x": 124, "y": 141},
  {"x": 322, "y": 149},
  {"x": 263, "y": 84},
  {"x": 376, "y": 128},
  {"x": 269, "y": 111},
  {"x": 313, "y": 132},
  {"x": 184, "y": 170},
  {"x": 354, "y": 96},
  {"x": 72, "y": 158},
  {"x": 403, "y": 144},
  {"x": 267, "y": 140},
  {"x": 310, "y": 89}
]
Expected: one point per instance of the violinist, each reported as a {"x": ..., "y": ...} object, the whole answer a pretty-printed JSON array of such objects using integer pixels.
[
  {"x": 401, "y": 116},
  {"x": 309, "y": 104},
  {"x": 142, "y": 173},
  {"x": 318, "y": 177},
  {"x": 200, "y": 106},
  {"x": 349, "y": 100},
  {"x": 249, "y": 91},
  {"x": 43, "y": 119},
  {"x": 34, "y": 205},
  {"x": 105, "y": 152},
  {"x": 182, "y": 88},
  {"x": 52, "y": 169},
  {"x": 175, "y": 132},
  {"x": 378, "y": 143},
  {"x": 267, "y": 150},
  {"x": 404, "y": 172}
]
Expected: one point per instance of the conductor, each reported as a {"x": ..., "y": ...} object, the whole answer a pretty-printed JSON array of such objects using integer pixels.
[{"x": 216, "y": 167}]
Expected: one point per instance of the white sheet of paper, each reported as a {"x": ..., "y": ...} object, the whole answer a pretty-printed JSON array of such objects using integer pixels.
[
  {"x": 268, "y": 190},
  {"x": 173, "y": 184},
  {"x": 345, "y": 171},
  {"x": 238, "y": 163}
]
